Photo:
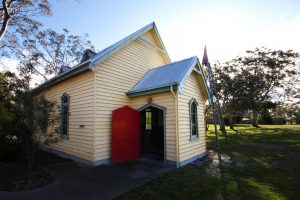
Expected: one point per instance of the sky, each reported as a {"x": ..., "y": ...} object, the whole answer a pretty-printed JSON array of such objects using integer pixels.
[{"x": 228, "y": 28}]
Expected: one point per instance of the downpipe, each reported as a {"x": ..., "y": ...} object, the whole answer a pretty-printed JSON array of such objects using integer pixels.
[{"x": 177, "y": 126}]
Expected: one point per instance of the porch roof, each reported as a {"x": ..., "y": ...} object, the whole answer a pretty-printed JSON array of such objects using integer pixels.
[{"x": 162, "y": 78}]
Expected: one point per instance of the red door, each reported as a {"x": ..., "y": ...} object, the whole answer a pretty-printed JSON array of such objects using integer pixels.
[{"x": 125, "y": 134}]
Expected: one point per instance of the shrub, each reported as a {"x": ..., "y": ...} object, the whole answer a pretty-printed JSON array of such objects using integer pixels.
[{"x": 9, "y": 148}]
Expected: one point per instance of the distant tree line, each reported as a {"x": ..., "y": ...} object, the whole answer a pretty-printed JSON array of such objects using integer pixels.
[{"x": 259, "y": 87}]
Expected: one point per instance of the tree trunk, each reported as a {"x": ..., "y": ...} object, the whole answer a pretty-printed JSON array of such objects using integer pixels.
[
  {"x": 206, "y": 123},
  {"x": 5, "y": 20},
  {"x": 220, "y": 114},
  {"x": 221, "y": 120},
  {"x": 206, "y": 126},
  {"x": 255, "y": 119},
  {"x": 231, "y": 121},
  {"x": 222, "y": 124}
]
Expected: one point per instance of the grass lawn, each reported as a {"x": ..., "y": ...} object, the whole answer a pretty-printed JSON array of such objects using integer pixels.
[{"x": 266, "y": 166}]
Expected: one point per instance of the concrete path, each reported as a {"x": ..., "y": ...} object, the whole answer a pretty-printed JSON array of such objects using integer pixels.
[{"x": 104, "y": 182}]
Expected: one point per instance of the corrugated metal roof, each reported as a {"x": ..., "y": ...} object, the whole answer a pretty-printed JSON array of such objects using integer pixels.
[{"x": 170, "y": 74}]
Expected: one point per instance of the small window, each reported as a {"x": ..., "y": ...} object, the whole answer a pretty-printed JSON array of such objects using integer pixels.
[
  {"x": 148, "y": 119},
  {"x": 65, "y": 107},
  {"x": 45, "y": 117},
  {"x": 194, "y": 118}
]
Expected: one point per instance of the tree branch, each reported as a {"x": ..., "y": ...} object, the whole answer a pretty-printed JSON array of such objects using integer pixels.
[{"x": 6, "y": 18}]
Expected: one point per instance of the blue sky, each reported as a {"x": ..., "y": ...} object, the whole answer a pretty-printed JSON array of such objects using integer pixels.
[{"x": 227, "y": 27}]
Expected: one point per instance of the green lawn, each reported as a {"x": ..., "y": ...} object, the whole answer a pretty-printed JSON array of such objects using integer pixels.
[{"x": 266, "y": 165}]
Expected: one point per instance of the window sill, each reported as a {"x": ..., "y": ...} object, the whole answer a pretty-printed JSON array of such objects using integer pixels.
[{"x": 194, "y": 138}]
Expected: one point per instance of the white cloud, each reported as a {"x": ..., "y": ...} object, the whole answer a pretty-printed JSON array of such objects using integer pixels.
[
  {"x": 228, "y": 35},
  {"x": 8, "y": 64}
]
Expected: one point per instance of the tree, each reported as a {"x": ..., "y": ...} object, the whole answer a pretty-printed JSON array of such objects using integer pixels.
[
  {"x": 219, "y": 110},
  {"x": 259, "y": 74},
  {"x": 19, "y": 14},
  {"x": 255, "y": 81},
  {"x": 36, "y": 116},
  {"x": 225, "y": 80},
  {"x": 25, "y": 117},
  {"x": 10, "y": 87},
  {"x": 289, "y": 113},
  {"x": 44, "y": 52}
]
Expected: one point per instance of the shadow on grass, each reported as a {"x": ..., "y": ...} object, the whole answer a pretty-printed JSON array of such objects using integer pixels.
[
  {"x": 269, "y": 159},
  {"x": 266, "y": 165}
]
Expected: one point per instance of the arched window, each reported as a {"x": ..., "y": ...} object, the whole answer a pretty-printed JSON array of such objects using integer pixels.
[
  {"x": 65, "y": 108},
  {"x": 193, "y": 118}
]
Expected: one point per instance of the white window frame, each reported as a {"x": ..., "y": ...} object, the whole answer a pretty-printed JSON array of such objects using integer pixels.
[
  {"x": 62, "y": 135},
  {"x": 193, "y": 136}
]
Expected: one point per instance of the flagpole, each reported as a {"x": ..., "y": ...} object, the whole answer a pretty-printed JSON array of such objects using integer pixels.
[{"x": 211, "y": 86}]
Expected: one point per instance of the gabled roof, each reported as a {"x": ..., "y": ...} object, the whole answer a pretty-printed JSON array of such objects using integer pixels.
[
  {"x": 162, "y": 78},
  {"x": 166, "y": 75},
  {"x": 103, "y": 55}
]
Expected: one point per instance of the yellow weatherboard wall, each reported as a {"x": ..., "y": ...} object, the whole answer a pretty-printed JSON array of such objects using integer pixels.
[
  {"x": 116, "y": 76},
  {"x": 190, "y": 148},
  {"x": 95, "y": 94},
  {"x": 165, "y": 100},
  {"x": 81, "y": 91}
]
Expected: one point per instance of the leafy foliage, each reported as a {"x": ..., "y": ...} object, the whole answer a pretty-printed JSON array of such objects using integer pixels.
[
  {"x": 20, "y": 15},
  {"x": 44, "y": 52},
  {"x": 251, "y": 82},
  {"x": 25, "y": 117}
]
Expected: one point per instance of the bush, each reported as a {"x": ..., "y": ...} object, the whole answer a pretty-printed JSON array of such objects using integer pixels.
[
  {"x": 279, "y": 120},
  {"x": 9, "y": 148}
]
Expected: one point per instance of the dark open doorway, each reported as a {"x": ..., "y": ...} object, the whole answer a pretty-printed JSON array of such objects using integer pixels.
[{"x": 152, "y": 133}]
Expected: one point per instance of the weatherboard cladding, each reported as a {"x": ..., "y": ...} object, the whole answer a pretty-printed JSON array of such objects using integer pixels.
[
  {"x": 101, "y": 56},
  {"x": 96, "y": 93},
  {"x": 122, "y": 42},
  {"x": 166, "y": 75}
]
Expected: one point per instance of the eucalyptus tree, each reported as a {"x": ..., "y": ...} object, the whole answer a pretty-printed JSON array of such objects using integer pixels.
[
  {"x": 20, "y": 15},
  {"x": 259, "y": 74},
  {"x": 44, "y": 51},
  {"x": 224, "y": 75}
]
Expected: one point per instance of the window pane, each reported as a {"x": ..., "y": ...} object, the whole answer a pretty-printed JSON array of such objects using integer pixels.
[
  {"x": 148, "y": 119},
  {"x": 193, "y": 118},
  {"x": 64, "y": 114},
  {"x": 194, "y": 122},
  {"x": 65, "y": 99}
]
